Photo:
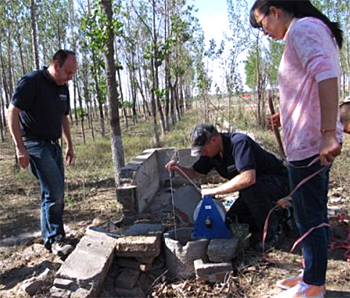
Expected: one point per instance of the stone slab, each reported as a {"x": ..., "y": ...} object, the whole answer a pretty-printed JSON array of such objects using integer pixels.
[{"x": 89, "y": 263}]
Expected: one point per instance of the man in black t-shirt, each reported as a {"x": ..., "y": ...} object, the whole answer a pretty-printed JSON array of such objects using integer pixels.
[
  {"x": 38, "y": 117},
  {"x": 260, "y": 178}
]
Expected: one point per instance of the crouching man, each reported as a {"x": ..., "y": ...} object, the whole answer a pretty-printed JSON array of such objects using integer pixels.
[{"x": 260, "y": 178}]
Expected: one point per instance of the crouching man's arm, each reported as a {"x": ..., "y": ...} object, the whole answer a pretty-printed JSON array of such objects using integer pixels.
[{"x": 239, "y": 182}]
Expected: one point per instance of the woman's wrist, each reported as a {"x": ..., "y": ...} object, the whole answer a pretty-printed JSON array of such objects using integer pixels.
[{"x": 327, "y": 131}]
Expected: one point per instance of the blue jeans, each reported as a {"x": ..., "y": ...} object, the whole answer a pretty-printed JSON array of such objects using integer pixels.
[
  {"x": 310, "y": 210},
  {"x": 46, "y": 164}
]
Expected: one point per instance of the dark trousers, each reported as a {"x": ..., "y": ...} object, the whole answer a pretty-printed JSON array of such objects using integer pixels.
[
  {"x": 255, "y": 202},
  {"x": 310, "y": 210}
]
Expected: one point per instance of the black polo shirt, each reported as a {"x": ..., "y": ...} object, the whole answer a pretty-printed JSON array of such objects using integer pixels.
[
  {"x": 240, "y": 154},
  {"x": 43, "y": 104}
]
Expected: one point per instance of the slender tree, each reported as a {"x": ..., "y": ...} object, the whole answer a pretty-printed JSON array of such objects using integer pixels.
[
  {"x": 112, "y": 26},
  {"x": 34, "y": 35}
]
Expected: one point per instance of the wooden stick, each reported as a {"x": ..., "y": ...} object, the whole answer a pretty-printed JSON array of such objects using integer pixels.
[{"x": 275, "y": 129}]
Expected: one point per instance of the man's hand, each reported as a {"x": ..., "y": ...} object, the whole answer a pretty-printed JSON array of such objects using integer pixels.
[
  {"x": 70, "y": 156},
  {"x": 22, "y": 157},
  {"x": 329, "y": 148},
  {"x": 172, "y": 165}
]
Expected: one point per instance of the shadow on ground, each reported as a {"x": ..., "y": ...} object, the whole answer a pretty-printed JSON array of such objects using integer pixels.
[{"x": 14, "y": 276}]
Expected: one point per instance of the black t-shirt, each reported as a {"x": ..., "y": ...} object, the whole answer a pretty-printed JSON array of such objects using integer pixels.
[
  {"x": 43, "y": 104},
  {"x": 240, "y": 154}
]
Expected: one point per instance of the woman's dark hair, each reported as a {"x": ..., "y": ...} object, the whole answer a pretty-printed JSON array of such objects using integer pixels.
[
  {"x": 299, "y": 9},
  {"x": 61, "y": 56}
]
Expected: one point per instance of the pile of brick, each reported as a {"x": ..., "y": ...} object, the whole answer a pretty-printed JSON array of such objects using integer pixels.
[{"x": 140, "y": 256}]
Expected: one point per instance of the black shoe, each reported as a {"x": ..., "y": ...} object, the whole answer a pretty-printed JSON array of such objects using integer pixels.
[{"x": 61, "y": 248}]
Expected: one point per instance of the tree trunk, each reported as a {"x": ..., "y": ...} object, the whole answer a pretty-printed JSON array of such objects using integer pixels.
[
  {"x": 154, "y": 109},
  {"x": 4, "y": 78},
  {"x": 155, "y": 78},
  {"x": 2, "y": 119},
  {"x": 167, "y": 66},
  {"x": 34, "y": 38},
  {"x": 122, "y": 100},
  {"x": 20, "y": 49},
  {"x": 99, "y": 97},
  {"x": 9, "y": 63},
  {"x": 146, "y": 111},
  {"x": 82, "y": 114},
  {"x": 2, "y": 112},
  {"x": 116, "y": 137}
]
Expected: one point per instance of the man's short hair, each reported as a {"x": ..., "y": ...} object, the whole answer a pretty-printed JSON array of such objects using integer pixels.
[
  {"x": 200, "y": 135},
  {"x": 61, "y": 56}
]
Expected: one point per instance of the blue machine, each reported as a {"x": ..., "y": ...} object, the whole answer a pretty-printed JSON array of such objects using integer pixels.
[{"x": 209, "y": 220}]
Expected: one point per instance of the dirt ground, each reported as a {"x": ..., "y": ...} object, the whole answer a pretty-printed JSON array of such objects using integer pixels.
[{"x": 252, "y": 277}]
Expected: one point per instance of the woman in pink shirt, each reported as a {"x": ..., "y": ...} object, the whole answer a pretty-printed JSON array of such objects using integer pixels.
[{"x": 309, "y": 78}]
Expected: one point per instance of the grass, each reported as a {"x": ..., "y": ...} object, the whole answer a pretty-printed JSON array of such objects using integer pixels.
[{"x": 94, "y": 160}]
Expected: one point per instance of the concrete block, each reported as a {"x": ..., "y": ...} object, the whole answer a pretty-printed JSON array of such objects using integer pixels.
[
  {"x": 222, "y": 250},
  {"x": 126, "y": 195},
  {"x": 127, "y": 278},
  {"x": 138, "y": 246},
  {"x": 212, "y": 272},
  {"x": 181, "y": 253},
  {"x": 89, "y": 263},
  {"x": 65, "y": 284},
  {"x": 135, "y": 292},
  {"x": 59, "y": 293},
  {"x": 147, "y": 180}
]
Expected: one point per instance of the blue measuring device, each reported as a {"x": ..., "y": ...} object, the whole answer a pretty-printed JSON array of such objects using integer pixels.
[{"x": 209, "y": 222}]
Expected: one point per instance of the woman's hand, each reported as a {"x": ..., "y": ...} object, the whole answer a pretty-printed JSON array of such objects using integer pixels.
[
  {"x": 274, "y": 121},
  {"x": 329, "y": 148}
]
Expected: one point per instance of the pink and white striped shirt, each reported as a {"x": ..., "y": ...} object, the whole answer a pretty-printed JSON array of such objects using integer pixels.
[{"x": 310, "y": 56}]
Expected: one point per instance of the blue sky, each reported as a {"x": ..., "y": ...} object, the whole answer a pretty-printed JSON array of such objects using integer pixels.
[{"x": 212, "y": 15}]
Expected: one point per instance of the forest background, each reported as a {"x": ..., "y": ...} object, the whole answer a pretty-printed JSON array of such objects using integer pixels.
[
  {"x": 145, "y": 78},
  {"x": 145, "y": 59}
]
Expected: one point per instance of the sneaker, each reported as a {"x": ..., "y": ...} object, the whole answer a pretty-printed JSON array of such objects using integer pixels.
[
  {"x": 60, "y": 248},
  {"x": 303, "y": 290},
  {"x": 290, "y": 282}
]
